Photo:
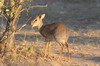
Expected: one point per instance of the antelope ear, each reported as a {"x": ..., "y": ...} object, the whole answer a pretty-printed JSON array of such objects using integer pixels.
[{"x": 42, "y": 16}]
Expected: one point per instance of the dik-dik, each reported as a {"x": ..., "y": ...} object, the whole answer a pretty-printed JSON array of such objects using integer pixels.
[{"x": 56, "y": 31}]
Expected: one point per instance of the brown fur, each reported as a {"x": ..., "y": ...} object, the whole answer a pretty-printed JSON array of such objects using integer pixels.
[{"x": 57, "y": 31}]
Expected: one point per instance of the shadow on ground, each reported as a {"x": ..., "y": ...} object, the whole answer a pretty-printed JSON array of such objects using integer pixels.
[
  {"x": 95, "y": 59},
  {"x": 72, "y": 39}
]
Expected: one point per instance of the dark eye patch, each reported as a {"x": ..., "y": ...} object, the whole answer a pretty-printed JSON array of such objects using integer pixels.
[{"x": 35, "y": 20}]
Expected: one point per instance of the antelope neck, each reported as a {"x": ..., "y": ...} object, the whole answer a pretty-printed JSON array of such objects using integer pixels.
[{"x": 40, "y": 25}]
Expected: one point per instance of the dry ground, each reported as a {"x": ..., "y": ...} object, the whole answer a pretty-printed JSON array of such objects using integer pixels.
[
  {"x": 83, "y": 20},
  {"x": 29, "y": 51}
]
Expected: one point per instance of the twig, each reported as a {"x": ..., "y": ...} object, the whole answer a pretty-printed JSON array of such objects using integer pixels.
[
  {"x": 33, "y": 7},
  {"x": 4, "y": 17},
  {"x": 40, "y": 6},
  {"x": 28, "y": 20},
  {"x": 21, "y": 27}
]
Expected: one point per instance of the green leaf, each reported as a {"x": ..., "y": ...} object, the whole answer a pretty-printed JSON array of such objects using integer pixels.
[{"x": 7, "y": 10}]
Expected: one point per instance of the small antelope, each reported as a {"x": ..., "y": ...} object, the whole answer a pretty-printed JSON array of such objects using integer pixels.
[{"x": 56, "y": 31}]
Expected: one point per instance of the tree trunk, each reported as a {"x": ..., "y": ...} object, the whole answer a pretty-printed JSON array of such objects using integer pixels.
[{"x": 7, "y": 41}]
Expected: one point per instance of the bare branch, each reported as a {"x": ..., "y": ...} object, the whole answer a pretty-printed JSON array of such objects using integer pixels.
[
  {"x": 40, "y": 6},
  {"x": 4, "y": 16},
  {"x": 33, "y": 7},
  {"x": 17, "y": 12},
  {"x": 21, "y": 27},
  {"x": 6, "y": 38},
  {"x": 3, "y": 41}
]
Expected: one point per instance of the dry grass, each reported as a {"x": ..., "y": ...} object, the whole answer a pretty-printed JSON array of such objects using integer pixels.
[{"x": 29, "y": 52}]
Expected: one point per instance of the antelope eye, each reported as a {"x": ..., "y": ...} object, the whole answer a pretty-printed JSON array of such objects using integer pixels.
[{"x": 35, "y": 20}]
